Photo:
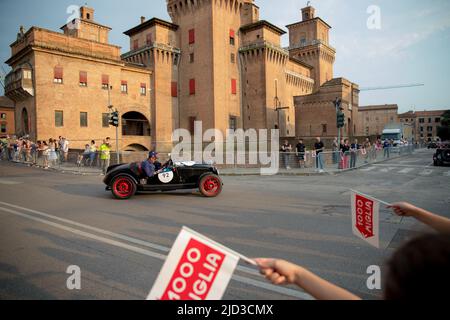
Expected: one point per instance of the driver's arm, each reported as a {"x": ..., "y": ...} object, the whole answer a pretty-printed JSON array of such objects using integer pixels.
[{"x": 148, "y": 169}]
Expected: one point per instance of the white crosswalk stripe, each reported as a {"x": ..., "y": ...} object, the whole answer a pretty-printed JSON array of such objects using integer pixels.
[
  {"x": 406, "y": 170},
  {"x": 368, "y": 169},
  {"x": 386, "y": 169},
  {"x": 447, "y": 174},
  {"x": 426, "y": 172}
]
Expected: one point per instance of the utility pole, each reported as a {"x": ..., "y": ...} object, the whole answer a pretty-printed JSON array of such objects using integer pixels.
[{"x": 114, "y": 120}]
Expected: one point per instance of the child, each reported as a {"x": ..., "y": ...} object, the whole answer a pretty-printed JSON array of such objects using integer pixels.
[{"x": 414, "y": 271}]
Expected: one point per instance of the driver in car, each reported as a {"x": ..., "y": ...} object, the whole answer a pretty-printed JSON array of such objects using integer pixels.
[{"x": 148, "y": 166}]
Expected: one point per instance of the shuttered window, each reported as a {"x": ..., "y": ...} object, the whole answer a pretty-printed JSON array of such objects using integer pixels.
[
  {"x": 233, "y": 86},
  {"x": 192, "y": 36},
  {"x": 174, "y": 89},
  {"x": 83, "y": 78},
  {"x": 58, "y": 75},
  {"x": 192, "y": 86},
  {"x": 105, "y": 81}
]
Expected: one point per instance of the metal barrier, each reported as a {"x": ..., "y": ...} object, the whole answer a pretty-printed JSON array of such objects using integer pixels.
[{"x": 308, "y": 162}]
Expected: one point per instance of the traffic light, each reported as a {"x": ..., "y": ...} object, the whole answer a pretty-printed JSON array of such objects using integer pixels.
[
  {"x": 340, "y": 119},
  {"x": 114, "y": 119}
]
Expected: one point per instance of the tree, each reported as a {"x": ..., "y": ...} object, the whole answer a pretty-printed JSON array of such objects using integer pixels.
[{"x": 443, "y": 131}]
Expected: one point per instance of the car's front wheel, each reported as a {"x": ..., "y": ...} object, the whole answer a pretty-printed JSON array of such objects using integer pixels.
[
  {"x": 210, "y": 185},
  {"x": 123, "y": 187}
]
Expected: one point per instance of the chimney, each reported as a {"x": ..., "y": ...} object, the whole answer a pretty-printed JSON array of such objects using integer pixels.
[{"x": 142, "y": 19}]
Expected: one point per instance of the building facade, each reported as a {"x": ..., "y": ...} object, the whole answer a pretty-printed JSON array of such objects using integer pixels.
[
  {"x": 216, "y": 62},
  {"x": 7, "y": 122},
  {"x": 424, "y": 124},
  {"x": 63, "y": 83},
  {"x": 373, "y": 119}
]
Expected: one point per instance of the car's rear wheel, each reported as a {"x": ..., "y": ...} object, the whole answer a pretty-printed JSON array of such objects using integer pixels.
[
  {"x": 123, "y": 187},
  {"x": 210, "y": 185}
]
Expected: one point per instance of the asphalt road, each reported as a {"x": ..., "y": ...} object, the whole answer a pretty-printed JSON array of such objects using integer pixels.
[{"x": 49, "y": 221}]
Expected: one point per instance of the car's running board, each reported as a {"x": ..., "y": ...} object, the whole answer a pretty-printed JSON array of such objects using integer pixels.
[{"x": 170, "y": 187}]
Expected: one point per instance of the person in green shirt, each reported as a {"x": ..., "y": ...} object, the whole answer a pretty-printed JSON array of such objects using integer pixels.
[{"x": 105, "y": 155}]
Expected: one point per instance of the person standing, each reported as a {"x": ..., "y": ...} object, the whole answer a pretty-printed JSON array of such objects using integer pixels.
[
  {"x": 301, "y": 148},
  {"x": 345, "y": 150},
  {"x": 52, "y": 156},
  {"x": 319, "y": 147},
  {"x": 64, "y": 149},
  {"x": 367, "y": 150},
  {"x": 335, "y": 151},
  {"x": 354, "y": 149},
  {"x": 92, "y": 152},
  {"x": 105, "y": 155},
  {"x": 286, "y": 148},
  {"x": 387, "y": 148}
]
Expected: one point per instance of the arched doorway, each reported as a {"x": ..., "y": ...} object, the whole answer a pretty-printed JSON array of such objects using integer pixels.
[
  {"x": 135, "y": 124},
  {"x": 136, "y": 148},
  {"x": 25, "y": 122}
]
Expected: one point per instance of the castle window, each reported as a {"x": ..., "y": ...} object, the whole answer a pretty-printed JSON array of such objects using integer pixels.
[
  {"x": 105, "y": 82},
  {"x": 324, "y": 129},
  {"x": 143, "y": 89},
  {"x": 58, "y": 75},
  {"x": 83, "y": 119},
  {"x": 59, "y": 118},
  {"x": 233, "y": 58},
  {"x": 174, "y": 89},
  {"x": 232, "y": 37},
  {"x": 83, "y": 79},
  {"x": 192, "y": 36},
  {"x": 135, "y": 44},
  {"x": 88, "y": 16},
  {"x": 233, "y": 86},
  {"x": 105, "y": 120},
  {"x": 192, "y": 87},
  {"x": 233, "y": 125},
  {"x": 149, "y": 39},
  {"x": 124, "y": 87},
  {"x": 191, "y": 57}
]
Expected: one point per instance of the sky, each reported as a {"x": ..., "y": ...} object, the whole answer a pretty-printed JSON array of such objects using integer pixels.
[{"x": 378, "y": 42}]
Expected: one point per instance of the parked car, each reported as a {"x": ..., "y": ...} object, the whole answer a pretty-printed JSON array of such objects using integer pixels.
[
  {"x": 442, "y": 155},
  {"x": 125, "y": 180}
]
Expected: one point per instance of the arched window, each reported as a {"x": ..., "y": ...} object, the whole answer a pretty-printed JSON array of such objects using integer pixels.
[{"x": 135, "y": 124}]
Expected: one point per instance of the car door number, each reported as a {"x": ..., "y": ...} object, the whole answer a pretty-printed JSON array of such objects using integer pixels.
[{"x": 166, "y": 177}]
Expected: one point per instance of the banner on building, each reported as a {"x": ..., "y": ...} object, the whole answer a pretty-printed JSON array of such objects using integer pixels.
[
  {"x": 197, "y": 268},
  {"x": 365, "y": 218}
]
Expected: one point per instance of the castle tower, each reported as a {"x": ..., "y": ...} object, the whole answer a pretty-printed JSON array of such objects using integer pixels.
[
  {"x": 85, "y": 27},
  {"x": 209, "y": 39},
  {"x": 309, "y": 42},
  {"x": 153, "y": 44}
]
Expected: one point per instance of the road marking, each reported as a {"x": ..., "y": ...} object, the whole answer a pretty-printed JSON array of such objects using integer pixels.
[
  {"x": 400, "y": 165},
  {"x": 447, "y": 174},
  {"x": 248, "y": 281},
  {"x": 368, "y": 169},
  {"x": 386, "y": 169},
  {"x": 406, "y": 170},
  {"x": 426, "y": 172},
  {"x": 9, "y": 183}
]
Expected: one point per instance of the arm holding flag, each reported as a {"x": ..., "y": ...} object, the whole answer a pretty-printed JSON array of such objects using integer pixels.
[
  {"x": 438, "y": 223},
  {"x": 281, "y": 272}
]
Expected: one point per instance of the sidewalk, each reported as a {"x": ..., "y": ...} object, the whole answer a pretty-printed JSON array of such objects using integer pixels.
[{"x": 329, "y": 169}]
